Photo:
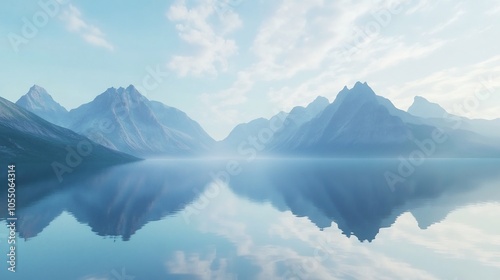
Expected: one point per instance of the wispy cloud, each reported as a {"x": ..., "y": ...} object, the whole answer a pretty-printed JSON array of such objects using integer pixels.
[
  {"x": 420, "y": 6},
  {"x": 451, "y": 86},
  {"x": 494, "y": 11},
  {"x": 458, "y": 14},
  {"x": 196, "y": 27},
  {"x": 220, "y": 106},
  {"x": 344, "y": 56},
  {"x": 314, "y": 40},
  {"x": 74, "y": 22}
]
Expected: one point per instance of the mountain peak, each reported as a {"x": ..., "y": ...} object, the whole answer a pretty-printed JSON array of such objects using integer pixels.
[
  {"x": 320, "y": 99},
  {"x": 360, "y": 91},
  {"x": 37, "y": 97},
  {"x": 420, "y": 99},
  {"x": 36, "y": 87},
  {"x": 37, "y": 91},
  {"x": 318, "y": 105},
  {"x": 121, "y": 92},
  {"x": 131, "y": 88},
  {"x": 359, "y": 86},
  {"x": 38, "y": 101},
  {"x": 422, "y": 107}
]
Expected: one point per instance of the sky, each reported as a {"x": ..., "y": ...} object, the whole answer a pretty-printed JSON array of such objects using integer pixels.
[{"x": 225, "y": 62}]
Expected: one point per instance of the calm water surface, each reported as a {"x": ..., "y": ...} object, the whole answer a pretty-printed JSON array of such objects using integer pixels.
[{"x": 266, "y": 219}]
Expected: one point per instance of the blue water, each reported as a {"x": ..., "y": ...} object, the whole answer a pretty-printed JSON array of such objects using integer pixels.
[{"x": 265, "y": 219}]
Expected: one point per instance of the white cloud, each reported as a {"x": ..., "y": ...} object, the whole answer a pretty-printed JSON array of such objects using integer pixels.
[
  {"x": 324, "y": 39},
  {"x": 72, "y": 18},
  {"x": 220, "y": 107},
  {"x": 196, "y": 27}
]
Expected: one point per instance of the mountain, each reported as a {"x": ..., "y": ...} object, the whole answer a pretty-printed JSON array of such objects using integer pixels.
[
  {"x": 354, "y": 119},
  {"x": 296, "y": 118},
  {"x": 243, "y": 133},
  {"x": 279, "y": 126},
  {"x": 25, "y": 137},
  {"x": 112, "y": 202},
  {"x": 435, "y": 115},
  {"x": 125, "y": 120},
  {"x": 39, "y": 102},
  {"x": 361, "y": 123},
  {"x": 421, "y": 107},
  {"x": 354, "y": 195}
]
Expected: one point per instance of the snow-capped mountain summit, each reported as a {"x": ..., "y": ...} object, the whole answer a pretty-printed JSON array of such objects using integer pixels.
[
  {"x": 125, "y": 120},
  {"x": 39, "y": 102},
  {"x": 423, "y": 108}
]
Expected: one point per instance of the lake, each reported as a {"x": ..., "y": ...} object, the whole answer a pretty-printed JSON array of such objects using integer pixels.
[{"x": 260, "y": 219}]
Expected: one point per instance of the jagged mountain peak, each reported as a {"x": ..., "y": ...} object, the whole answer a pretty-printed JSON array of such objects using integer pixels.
[
  {"x": 38, "y": 101},
  {"x": 122, "y": 90},
  {"x": 38, "y": 96},
  {"x": 360, "y": 87},
  {"x": 37, "y": 89},
  {"x": 121, "y": 95},
  {"x": 359, "y": 90}
]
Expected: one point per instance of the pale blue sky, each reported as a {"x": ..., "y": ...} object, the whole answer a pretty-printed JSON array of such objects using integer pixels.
[{"x": 230, "y": 61}]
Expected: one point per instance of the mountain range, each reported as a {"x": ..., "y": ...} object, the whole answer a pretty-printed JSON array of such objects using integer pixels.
[
  {"x": 125, "y": 120},
  {"x": 26, "y": 138},
  {"x": 358, "y": 123}
]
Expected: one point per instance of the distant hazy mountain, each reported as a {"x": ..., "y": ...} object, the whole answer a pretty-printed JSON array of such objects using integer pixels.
[
  {"x": 25, "y": 137},
  {"x": 421, "y": 107},
  {"x": 296, "y": 118},
  {"x": 282, "y": 125},
  {"x": 435, "y": 115},
  {"x": 354, "y": 120},
  {"x": 242, "y": 132},
  {"x": 124, "y": 120},
  {"x": 39, "y": 102},
  {"x": 360, "y": 123}
]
